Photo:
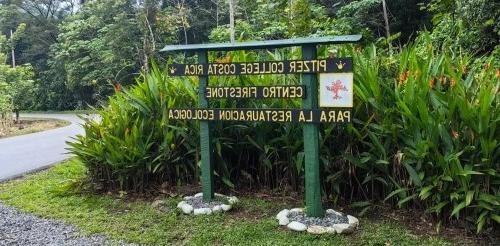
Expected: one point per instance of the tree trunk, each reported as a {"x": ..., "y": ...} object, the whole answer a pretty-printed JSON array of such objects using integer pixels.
[
  {"x": 185, "y": 34},
  {"x": 231, "y": 21},
  {"x": 386, "y": 20},
  {"x": 17, "y": 116},
  {"x": 12, "y": 51},
  {"x": 216, "y": 13}
]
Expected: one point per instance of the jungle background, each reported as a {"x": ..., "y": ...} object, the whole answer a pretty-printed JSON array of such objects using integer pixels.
[
  {"x": 424, "y": 134},
  {"x": 73, "y": 50}
]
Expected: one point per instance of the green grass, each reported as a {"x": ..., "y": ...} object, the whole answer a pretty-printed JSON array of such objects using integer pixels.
[{"x": 54, "y": 194}]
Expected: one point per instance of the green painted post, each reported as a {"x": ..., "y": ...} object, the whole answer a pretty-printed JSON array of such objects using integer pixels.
[
  {"x": 311, "y": 140},
  {"x": 207, "y": 168}
]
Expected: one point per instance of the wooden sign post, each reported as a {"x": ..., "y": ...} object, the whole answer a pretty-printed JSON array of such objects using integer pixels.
[
  {"x": 339, "y": 71},
  {"x": 207, "y": 164},
  {"x": 311, "y": 140}
]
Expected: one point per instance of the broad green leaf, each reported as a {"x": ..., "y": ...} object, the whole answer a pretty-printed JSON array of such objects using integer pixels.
[
  {"x": 496, "y": 218},
  {"x": 400, "y": 190},
  {"x": 413, "y": 175},
  {"x": 425, "y": 192},
  {"x": 468, "y": 197},
  {"x": 457, "y": 208}
]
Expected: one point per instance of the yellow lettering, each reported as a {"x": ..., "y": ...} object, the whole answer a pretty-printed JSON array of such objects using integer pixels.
[
  {"x": 306, "y": 66},
  {"x": 340, "y": 117},
  {"x": 322, "y": 65},
  {"x": 292, "y": 66},
  {"x": 322, "y": 117},
  {"x": 347, "y": 114}
]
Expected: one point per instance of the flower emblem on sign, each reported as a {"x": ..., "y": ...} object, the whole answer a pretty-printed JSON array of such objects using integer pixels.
[
  {"x": 336, "y": 87},
  {"x": 340, "y": 65}
]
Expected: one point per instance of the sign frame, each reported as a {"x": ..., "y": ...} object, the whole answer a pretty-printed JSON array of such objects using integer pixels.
[{"x": 308, "y": 46}]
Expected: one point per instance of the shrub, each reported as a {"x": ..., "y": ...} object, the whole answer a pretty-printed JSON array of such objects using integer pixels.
[{"x": 132, "y": 142}]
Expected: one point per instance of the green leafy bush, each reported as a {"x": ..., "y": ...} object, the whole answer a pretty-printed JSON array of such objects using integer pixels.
[
  {"x": 132, "y": 143},
  {"x": 424, "y": 134},
  {"x": 431, "y": 135}
]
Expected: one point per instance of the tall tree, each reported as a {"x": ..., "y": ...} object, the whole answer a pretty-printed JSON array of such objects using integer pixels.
[
  {"x": 16, "y": 83},
  {"x": 386, "y": 21},
  {"x": 231, "y": 21}
]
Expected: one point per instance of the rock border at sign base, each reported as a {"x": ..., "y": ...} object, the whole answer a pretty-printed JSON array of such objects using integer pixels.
[
  {"x": 334, "y": 222},
  {"x": 195, "y": 204}
]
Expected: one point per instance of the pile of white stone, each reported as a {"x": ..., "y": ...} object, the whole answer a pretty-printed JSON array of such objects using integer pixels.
[
  {"x": 333, "y": 221},
  {"x": 195, "y": 204}
]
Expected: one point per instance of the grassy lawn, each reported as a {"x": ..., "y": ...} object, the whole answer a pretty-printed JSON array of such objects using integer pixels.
[
  {"x": 54, "y": 194},
  {"x": 32, "y": 125}
]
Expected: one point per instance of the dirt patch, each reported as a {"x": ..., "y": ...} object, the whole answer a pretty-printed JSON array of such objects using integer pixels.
[{"x": 31, "y": 125}]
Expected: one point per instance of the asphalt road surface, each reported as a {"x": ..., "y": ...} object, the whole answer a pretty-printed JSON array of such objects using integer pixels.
[{"x": 28, "y": 153}]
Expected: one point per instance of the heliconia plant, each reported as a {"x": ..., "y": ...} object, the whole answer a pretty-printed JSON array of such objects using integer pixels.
[{"x": 424, "y": 134}]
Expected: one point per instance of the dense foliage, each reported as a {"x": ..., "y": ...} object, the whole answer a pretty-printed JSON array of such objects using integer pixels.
[
  {"x": 424, "y": 135},
  {"x": 79, "y": 49}
]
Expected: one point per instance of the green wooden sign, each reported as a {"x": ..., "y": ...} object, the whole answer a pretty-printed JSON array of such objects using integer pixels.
[
  {"x": 267, "y": 67},
  {"x": 334, "y": 91}
]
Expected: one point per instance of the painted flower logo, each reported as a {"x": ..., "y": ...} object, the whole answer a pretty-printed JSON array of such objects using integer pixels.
[{"x": 336, "y": 87}]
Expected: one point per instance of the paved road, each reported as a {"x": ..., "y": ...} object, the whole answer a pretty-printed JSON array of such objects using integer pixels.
[{"x": 27, "y": 153}]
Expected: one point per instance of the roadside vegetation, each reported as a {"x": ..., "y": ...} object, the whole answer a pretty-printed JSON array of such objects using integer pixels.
[
  {"x": 61, "y": 193},
  {"x": 424, "y": 136},
  {"x": 31, "y": 125}
]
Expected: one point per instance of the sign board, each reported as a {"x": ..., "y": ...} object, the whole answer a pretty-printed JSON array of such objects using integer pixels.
[
  {"x": 336, "y": 65},
  {"x": 334, "y": 93},
  {"x": 336, "y": 90}
]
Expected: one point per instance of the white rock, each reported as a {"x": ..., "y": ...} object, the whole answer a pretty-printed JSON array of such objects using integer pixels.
[
  {"x": 331, "y": 211},
  {"x": 217, "y": 209},
  {"x": 296, "y": 226},
  {"x": 188, "y": 197},
  {"x": 315, "y": 229},
  {"x": 198, "y": 194},
  {"x": 283, "y": 221},
  {"x": 342, "y": 228},
  {"x": 299, "y": 210},
  {"x": 179, "y": 205},
  {"x": 353, "y": 221},
  {"x": 330, "y": 230},
  {"x": 233, "y": 200},
  {"x": 186, "y": 208},
  {"x": 199, "y": 211},
  {"x": 282, "y": 213},
  {"x": 218, "y": 194},
  {"x": 225, "y": 207}
]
